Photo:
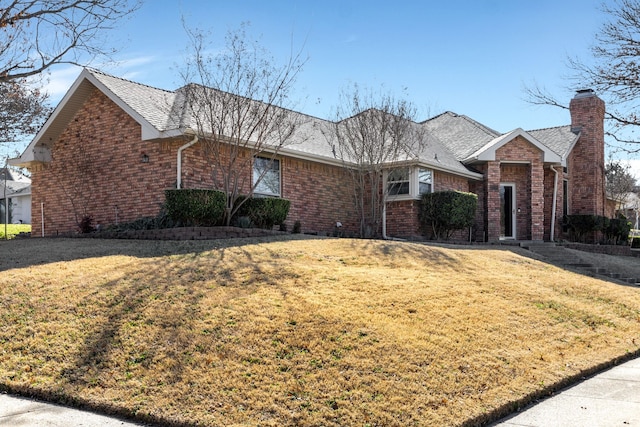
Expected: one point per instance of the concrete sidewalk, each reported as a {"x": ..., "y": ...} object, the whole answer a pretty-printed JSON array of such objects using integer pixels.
[
  {"x": 611, "y": 398},
  {"x": 23, "y": 412}
]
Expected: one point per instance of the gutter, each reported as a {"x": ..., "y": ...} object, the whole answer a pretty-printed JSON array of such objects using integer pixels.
[
  {"x": 554, "y": 203},
  {"x": 180, "y": 150}
]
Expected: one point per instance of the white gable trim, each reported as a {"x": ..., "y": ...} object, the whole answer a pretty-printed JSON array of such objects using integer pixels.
[
  {"x": 488, "y": 152},
  {"x": 39, "y": 150}
]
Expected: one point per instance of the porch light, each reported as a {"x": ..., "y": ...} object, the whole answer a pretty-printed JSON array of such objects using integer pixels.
[{"x": 144, "y": 158}]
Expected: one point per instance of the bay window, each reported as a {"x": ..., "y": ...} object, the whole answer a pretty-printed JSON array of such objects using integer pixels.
[{"x": 409, "y": 182}]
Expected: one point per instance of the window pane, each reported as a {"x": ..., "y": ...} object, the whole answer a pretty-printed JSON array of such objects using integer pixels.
[
  {"x": 267, "y": 171},
  {"x": 425, "y": 182},
  {"x": 397, "y": 188},
  {"x": 398, "y": 182},
  {"x": 399, "y": 175}
]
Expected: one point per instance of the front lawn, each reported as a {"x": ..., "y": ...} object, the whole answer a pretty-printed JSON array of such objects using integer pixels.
[
  {"x": 282, "y": 331},
  {"x": 12, "y": 230}
]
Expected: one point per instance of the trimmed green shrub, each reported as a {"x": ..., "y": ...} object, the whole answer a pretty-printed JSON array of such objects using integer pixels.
[
  {"x": 264, "y": 212},
  {"x": 580, "y": 226},
  {"x": 443, "y": 212},
  {"x": 195, "y": 207}
]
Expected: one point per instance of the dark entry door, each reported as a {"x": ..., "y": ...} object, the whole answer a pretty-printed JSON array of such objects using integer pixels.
[{"x": 507, "y": 211}]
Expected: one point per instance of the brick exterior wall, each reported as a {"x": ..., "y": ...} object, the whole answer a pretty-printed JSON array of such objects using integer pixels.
[
  {"x": 586, "y": 161},
  {"x": 96, "y": 170},
  {"x": 549, "y": 178},
  {"x": 403, "y": 216}
]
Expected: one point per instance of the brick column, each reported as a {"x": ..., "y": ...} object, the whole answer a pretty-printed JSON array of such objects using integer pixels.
[
  {"x": 493, "y": 201},
  {"x": 537, "y": 200},
  {"x": 587, "y": 157}
]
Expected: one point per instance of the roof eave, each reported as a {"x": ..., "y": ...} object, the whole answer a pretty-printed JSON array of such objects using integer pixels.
[{"x": 488, "y": 152}]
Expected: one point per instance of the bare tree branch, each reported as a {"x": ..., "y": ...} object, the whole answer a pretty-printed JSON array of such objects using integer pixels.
[
  {"x": 22, "y": 110},
  {"x": 36, "y": 34},
  {"x": 372, "y": 131},
  {"x": 239, "y": 107}
]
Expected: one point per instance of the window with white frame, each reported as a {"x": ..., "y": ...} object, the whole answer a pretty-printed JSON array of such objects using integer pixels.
[
  {"x": 398, "y": 182},
  {"x": 425, "y": 181},
  {"x": 409, "y": 182},
  {"x": 266, "y": 176}
]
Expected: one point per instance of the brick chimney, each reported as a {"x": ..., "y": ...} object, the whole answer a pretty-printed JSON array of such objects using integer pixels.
[{"x": 586, "y": 161}]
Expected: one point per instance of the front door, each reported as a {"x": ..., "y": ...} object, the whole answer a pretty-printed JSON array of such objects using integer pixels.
[{"x": 507, "y": 211}]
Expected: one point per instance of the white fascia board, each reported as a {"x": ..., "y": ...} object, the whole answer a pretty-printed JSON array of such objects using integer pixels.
[
  {"x": 488, "y": 152},
  {"x": 573, "y": 144},
  {"x": 30, "y": 153}
]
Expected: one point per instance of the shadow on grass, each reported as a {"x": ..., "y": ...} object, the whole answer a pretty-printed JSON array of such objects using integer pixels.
[
  {"x": 22, "y": 253},
  {"x": 160, "y": 303}
]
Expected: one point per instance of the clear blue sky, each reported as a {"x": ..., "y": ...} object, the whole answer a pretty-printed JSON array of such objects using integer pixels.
[{"x": 472, "y": 57}]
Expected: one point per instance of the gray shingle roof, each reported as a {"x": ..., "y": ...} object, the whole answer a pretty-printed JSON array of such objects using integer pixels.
[
  {"x": 156, "y": 106},
  {"x": 460, "y": 134},
  {"x": 559, "y": 139},
  {"x": 448, "y": 138}
]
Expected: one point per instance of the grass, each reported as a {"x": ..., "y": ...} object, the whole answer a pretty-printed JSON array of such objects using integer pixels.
[
  {"x": 12, "y": 230},
  {"x": 300, "y": 332}
]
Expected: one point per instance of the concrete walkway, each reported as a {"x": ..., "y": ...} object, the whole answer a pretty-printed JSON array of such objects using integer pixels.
[
  {"x": 609, "y": 399},
  {"x": 22, "y": 412}
]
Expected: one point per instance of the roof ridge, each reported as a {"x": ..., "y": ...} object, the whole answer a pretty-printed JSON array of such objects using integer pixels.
[
  {"x": 96, "y": 71},
  {"x": 550, "y": 127},
  {"x": 438, "y": 115},
  {"x": 481, "y": 126}
]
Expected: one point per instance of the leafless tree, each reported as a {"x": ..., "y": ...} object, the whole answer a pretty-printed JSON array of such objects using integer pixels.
[
  {"x": 374, "y": 133},
  {"x": 74, "y": 166},
  {"x": 238, "y": 99},
  {"x": 620, "y": 182},
  {"x": 23, "y": 109},
  {"x": 36, "y": 34},
  {"x": 613, "y": 71}
]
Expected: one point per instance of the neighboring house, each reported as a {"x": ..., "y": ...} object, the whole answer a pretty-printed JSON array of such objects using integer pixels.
[
  {"x": 15, "y": 187},
  {"x": 110, "y": 149},
  {"x": 630, "y": 208}
]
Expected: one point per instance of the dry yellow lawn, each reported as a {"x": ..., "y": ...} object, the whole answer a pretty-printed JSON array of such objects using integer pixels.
[{"x": 300, "y": 332}]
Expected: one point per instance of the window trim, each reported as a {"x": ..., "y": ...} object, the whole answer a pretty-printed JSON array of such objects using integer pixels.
[
  {"x": 414, "y": 184},
  {"x": 253, "y": 178}
]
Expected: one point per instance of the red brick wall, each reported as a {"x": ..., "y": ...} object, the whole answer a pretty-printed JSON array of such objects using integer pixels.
[
  {"x": 403, "y": 219},
  {"x": 403, "y": 215},
  {"x": 319, "y": 196},
  {"x": 529, "y": 181},
  {"x": 586, "y": 161},
  {"x": 549, "y": 178},
  {"x": 96, "y": 169},
  {"x": 519, "y": 174}
]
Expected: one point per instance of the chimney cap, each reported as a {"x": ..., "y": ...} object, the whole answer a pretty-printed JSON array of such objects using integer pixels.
[{"x": 585, "y": 93}]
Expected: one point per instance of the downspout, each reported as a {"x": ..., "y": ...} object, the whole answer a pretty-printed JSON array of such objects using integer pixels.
[
  {"x": 384, "y": 218},
  {"x": 185, "y": 146},
  {"x": 554, "y": 203},
  {"x": 42, "y": 217}
]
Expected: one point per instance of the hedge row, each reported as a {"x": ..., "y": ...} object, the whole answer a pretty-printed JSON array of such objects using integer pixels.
[
  {"x": 199, "y": 207},
  {"x": 582, "y": 228},
  {"x": 444, "y": 212},
  {"x": 263, "y": 212},
  {"x": 195, "y": 207}
]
